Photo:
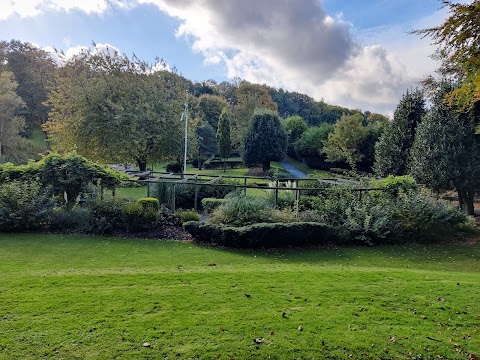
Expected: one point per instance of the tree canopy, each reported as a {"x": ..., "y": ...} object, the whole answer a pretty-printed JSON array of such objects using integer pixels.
[{"x": 265, "y": 139}]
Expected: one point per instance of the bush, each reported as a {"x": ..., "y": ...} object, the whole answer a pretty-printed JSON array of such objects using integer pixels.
[
  {"x": 210, "y": 204},
  {"x": 149, "y": 203},
  {"x": 137, "y": 217},
  {"x": 393, "y": 185},
  {"x": 262, "y": 235},
  {"x": 189, "y": 215},
  {"x": 174, "y": 167},
  {"x": 24, "y": 206},
  {"x": 185, "y": 192},
  {"x": 242, "y": 210},
  {"x": 72, "y": 221},
  {"x": 105, "y": 217}
]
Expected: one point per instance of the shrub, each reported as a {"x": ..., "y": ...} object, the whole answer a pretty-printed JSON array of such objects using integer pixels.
[
  {"x": 243, "y": 210},
  {"x": 23, "y": 206},
  {"x": 137, "y": 217},
  {"x": 189, "y": 215},
  {"x": 262, "y": 235},
  {"x": 393, "y": 185},
  {"x": 73, "y": 221},
  {"x": 149, "y": 203},
  {"x": 210, "y": 204},
  {"x": 105, "y": 217}
]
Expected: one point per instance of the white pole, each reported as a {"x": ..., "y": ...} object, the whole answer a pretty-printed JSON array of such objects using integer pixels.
[{"x": 186, "y": 137}]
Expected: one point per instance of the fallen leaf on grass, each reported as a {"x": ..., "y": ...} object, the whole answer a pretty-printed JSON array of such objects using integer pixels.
[
  {"x": 146, "y": 344},
  {"x": 259, "y": 340},
  {"x": 299, "y": 327}
]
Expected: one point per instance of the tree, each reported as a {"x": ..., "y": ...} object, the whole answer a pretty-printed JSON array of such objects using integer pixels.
[
  {"x": 295, "y": 127},
  {"x": 13, "y": 147},
  {"x": 206, "y": 141},
  {"x": 343, "y": 144},
  {"x": 211, "y": 107},
  {"x": 223, "y": 135},
  {"x": 458, "y": 41},
  {"x": 34, "y": 70},
  {"x": 250, "y": 97},
  {"x": 265, "y": 139},
  {"x": 309, "y": 147},
  {"x": 111, "y": 108},
  {"x": 444, "y": 155},
  {"x": 392, "y": 149}
]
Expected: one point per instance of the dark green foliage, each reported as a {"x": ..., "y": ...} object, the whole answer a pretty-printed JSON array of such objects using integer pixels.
[
  {"x": 149, "y": 203},
  {"x": 206, "y": 141},
  {"x": 24, "y": 206},
  {"x": 105, "y": 217},
  {"x": 295, "y": 127},
  {"x": 392, "y": 149},
  {"x": 262, "y": 235},
  {"x": 189, "y": 215},
  {"x": 223, "y": 134},
  {"x": 309, "y": 147},
  {"x": 137, "y": 217},
  {"x": 265, "y": 140},
  {"x": 185, "y": 192},
  {"x": 444, "y": 154}
]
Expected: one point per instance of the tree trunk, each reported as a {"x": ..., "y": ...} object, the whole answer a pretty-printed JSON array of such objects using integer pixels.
[
  {"x": 465, "y": 200},
  {"x": 142, "y": 165},
  {"x": 266, "y": 165}
]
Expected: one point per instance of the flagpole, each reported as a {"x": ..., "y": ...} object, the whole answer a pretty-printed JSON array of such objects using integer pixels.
[{"x": 186, "y": 136}]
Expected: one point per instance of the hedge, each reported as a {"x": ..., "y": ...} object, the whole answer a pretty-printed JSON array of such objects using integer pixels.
[{"x": 262, "y": 235}]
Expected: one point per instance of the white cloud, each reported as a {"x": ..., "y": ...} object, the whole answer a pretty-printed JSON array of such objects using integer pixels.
[
  {"x": 30, "y": 8},
  {"x": 298, "y": 46}
]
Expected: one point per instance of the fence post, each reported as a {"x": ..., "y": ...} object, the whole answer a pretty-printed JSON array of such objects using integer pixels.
[
  {"x": 148, "y": 188},
  {"x": 196, "y": 194},
  {"x": 173, "y": 198},
  {"x": 245, "y": 188}
]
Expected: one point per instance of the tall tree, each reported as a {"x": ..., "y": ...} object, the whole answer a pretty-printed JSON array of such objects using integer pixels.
[
  {"x": 34, "y": 70},
  {"x": 223, "y": 135},
  {"x": 250, "y": 97},
  {"x": 265, "y": 139},
  {"x": 295, "y": 127},
  {"x": 392, "y": 149},
  {"x": 206, "y": 141},
  {"x": 110, "y": 108},
  {"x": 310, "y": 145},
  {"x": 12, "y": 145},
  {"x": 444, "y": 155},
  {"x": 211, "y": 107}
]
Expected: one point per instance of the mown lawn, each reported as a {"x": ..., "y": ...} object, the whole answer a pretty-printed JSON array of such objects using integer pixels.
[{"x": 75, "y": 297}]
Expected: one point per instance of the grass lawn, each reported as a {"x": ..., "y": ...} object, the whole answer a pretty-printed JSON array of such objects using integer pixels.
[{"x": 74, "y": 297}]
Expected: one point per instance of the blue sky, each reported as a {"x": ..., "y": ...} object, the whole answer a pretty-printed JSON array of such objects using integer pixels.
[{"x": 350, "y": 53}]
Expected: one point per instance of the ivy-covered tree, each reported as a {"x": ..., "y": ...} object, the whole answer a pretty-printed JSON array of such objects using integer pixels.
[
  {"x": 392, "y": 149},
  {"x": 265, "y": 139},
  {"x": 223, "y": 135},
  {"x": 444, "y": 155}
]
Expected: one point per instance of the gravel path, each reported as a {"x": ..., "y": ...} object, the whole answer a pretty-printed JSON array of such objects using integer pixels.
[{"x": 297, "y": 173}]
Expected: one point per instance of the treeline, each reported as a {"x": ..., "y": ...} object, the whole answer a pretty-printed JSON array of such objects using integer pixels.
[{"x": 114, "y": 108}]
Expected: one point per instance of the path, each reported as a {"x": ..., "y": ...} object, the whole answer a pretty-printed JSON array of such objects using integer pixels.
[{"x": 297, "y": 173}]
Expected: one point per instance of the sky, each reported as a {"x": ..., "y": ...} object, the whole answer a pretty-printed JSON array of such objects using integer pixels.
[{"x": 351, "y": 53}]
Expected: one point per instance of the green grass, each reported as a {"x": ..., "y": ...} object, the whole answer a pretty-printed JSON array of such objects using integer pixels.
[{"x": 73, "y": 297}]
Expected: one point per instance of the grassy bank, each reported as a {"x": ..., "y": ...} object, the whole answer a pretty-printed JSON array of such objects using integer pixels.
[{"x": 96, "y": 298}]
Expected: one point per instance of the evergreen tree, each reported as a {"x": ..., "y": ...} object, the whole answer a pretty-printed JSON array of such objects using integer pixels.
[
  {"x": 391, "y": 151},
  {"x": 265, "y": 139},
  {"x": 223, "y": 135},
  {"x": 444, "y": 155}
]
